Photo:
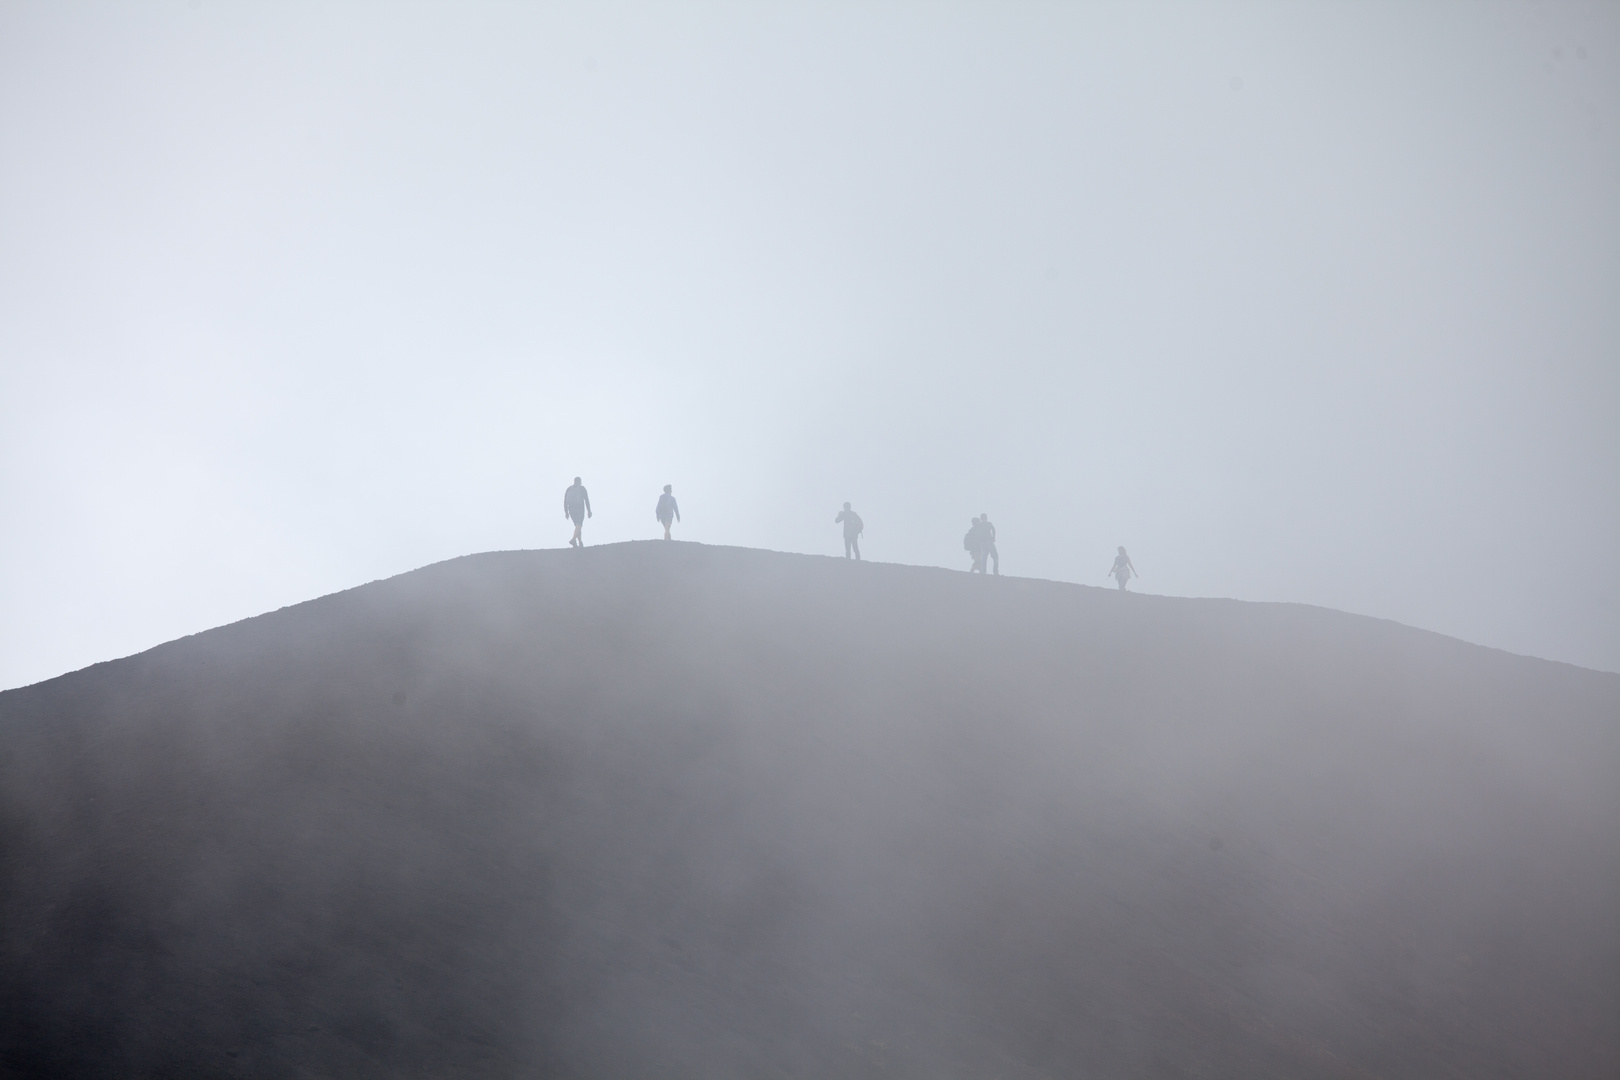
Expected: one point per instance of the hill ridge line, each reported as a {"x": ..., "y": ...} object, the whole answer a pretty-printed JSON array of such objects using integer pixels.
[{"x": 1000, "y": 581}]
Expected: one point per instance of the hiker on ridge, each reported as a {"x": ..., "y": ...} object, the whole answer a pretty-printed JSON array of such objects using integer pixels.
[
  {"x": 988, "y": 539},
  {"x": 667, "y": 510},
  {"x": 576, "y": 508},
  {"x": 1123, "y": 569},
  {"x": 853, "y": 526},
  {"x": 980, "y": 542}
]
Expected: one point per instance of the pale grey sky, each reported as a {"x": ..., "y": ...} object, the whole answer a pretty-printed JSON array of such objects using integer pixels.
[{"x": 1306, "y": 302}]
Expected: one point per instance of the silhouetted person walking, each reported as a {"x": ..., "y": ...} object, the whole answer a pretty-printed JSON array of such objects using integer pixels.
[
  {"x": 1123, "y": 569},
  {"x": 667, "y": 510},
  {"x": 980, "y": 542},
  {"x": 853, "y": 526},
  {"x": 576, "y": 508}
]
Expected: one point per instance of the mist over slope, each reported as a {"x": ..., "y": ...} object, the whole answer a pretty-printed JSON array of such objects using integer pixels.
[{"x": 659, "y": 809}]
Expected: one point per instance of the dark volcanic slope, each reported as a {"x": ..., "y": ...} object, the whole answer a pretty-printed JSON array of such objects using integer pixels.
[{"x": 675, "y": 811}]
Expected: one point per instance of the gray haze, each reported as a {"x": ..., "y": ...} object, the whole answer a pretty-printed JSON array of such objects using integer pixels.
[
  {"x": 680, "y": 810},
  {"x": 1298, "y": 302}
]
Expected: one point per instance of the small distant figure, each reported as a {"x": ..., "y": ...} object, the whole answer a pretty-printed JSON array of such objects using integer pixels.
[
  {"x": 990, "y": 552},
  {"x": 1123, "y": 570},
  {"x": 980, "y": 542},
  {"x": 576, "y": 508},
  {"x": 853, "y": 527},
  {"x": 667, "y": 511}
]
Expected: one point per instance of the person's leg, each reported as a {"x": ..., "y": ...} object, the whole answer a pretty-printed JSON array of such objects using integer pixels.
[
  {"x": 995, "y": 559},
  {"x": 846, "y": 547},
  {"x": 856, "y": 544},
  {"x": 579, "y": 538}
]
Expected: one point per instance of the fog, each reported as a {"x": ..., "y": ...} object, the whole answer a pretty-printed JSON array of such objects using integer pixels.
[
  {"x": 678, "y": 810},
  {"x": 1313, "y": 303}
]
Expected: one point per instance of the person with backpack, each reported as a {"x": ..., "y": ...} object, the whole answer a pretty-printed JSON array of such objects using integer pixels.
[
  {"x": 980, "y": 542},
  {"x": 1123, "y": 569},
  {"x": 576, "y": 508},
  {"x": 853, "y": 526},
  {"x": 667, "y": 510}
]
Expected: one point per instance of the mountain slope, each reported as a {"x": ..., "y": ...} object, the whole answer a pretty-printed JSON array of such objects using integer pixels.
[{"x": 661, "y": 809}]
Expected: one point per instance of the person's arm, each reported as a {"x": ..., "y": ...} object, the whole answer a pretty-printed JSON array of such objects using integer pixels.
[
  {"x": 677, "y": 508},
  {"x": 587, "y": 502}
]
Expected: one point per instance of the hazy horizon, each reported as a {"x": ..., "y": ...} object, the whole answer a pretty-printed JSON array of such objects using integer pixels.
[{"x": 1311, "y": 304}]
